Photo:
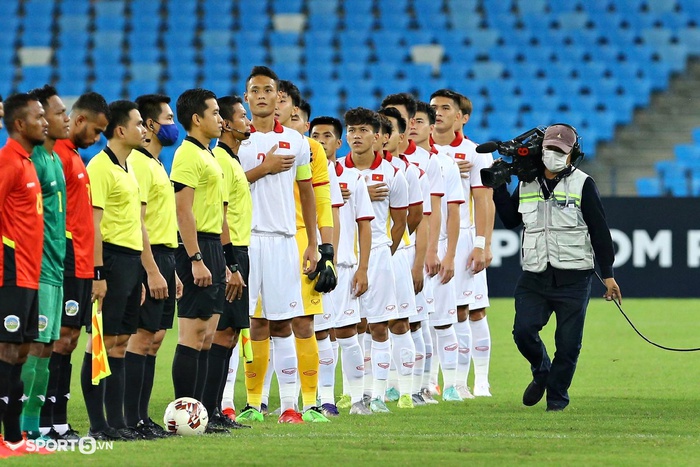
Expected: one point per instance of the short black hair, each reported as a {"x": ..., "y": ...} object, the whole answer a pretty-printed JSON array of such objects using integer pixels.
[
  {"x": 93, "y": 102},
  {"x": 362, "y": 116},
  {"x": 190, "y": 102},
  {"x": 43, "y": 94},
  {"x": 226, "y": 104},
  {"x": 332, "y": 121},
  {"x": 261, "y": 70},
  {"x": 425, "y": 108},
  {"x": 394, "y": 113},
  {"x": 465, "y": 105},
  {"x": 150, "y": 105},
  {"x": 448, "y": 93},
  {"x": 291, "y": 90},
  {"x": 16, "y": 107},
  {"x": 385, "y": 125},
  {"x": 120, "y": 115},
  {"x": 305, "y": 107},
  {"x": 404, "y": 98}
]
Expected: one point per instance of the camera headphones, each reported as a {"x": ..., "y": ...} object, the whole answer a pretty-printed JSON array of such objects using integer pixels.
[{"x": 577, "y": 154}]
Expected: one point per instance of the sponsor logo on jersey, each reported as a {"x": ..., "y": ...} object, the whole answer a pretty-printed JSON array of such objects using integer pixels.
[
  {"x": 284, "y": 145},
  {"x": 327, "y": 316},
  {"x": 404, "y": 305},
  {"x": 419, "y": 308},
  {"x": 479, "y": 296},
  {"x": 349, "y": 312},
  {"x": 429, "y": 300},
  {"x": 293, "y": 304},
  {"x": 43, "y": 323},
  {"x": 81, "y": 176},
  {"x": 390, "y": 307},
  {"x": 452, "y": 311},
  {"x": 11, "y": 323},
  {"x": 315, "y": 301},
  {"x": 31, "y": 185},
  {"x": 72, "y": 307}
]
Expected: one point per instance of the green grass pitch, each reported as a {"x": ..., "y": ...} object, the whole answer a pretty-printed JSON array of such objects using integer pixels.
[{"x": 631, "y": 404}]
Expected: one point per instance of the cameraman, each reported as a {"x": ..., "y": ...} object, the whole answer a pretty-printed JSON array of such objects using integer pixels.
[{"x": 564, "y": 229}]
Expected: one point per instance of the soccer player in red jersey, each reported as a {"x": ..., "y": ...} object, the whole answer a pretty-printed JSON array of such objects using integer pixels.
[
  {"x": 88, "y": 120},
  {"x": 22, "y": 230}
]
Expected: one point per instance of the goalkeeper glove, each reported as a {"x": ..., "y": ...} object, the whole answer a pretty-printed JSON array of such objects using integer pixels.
[{"x": 325, "y": 270}]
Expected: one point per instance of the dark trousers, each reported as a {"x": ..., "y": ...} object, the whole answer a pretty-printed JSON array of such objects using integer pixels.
[{"x": 536, "y": 296}]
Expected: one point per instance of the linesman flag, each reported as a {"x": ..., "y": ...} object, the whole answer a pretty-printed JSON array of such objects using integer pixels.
[
  {"x": 100, "y": 365},
  {"x": 246, "y": 346}
]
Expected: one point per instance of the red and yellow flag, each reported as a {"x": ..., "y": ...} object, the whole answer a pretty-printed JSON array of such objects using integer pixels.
[
  {"x": 246, "y": 346},
  {"x": 100, "y": 365}
]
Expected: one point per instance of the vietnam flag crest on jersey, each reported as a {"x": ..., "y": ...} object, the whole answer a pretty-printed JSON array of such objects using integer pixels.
[
  {"x": 377, "y": 177},
  {"x": 460, "y": 156},
  {"x": 284, "y": 145}
]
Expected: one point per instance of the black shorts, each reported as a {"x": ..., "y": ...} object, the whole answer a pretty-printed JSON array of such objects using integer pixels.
[
  {"x": 158, "y": 314},
  {"x": 77, "y": 307},
  {"x": 120, "y": 307},
  {"x": 235, "y": 313},
  {"x": 19, "y": 312},
  {"x": 202, "y": 302}
]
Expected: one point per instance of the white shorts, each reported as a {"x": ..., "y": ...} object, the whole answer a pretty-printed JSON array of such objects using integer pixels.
[
  {"x": 342, "y": 305},
  {"x": 481, "y": 292},
  {"x": 274, "y": 277},
  {"x": 445, "y": 302},
  {"x": 464, "y": 278},
  {"x": 405, "y": 294},
  {"x": 378, "y": 304}
]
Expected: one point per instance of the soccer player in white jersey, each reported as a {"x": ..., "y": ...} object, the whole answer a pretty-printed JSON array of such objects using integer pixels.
[
  {"x": 355, "y": 217},
  {"x": 481, "y": 336},
  {"x": 407, "y": 105},
  {"x": 275, "y": 159},
  {"x": 471, "y": 256},
  {"x": 379, "y": 304},
  {"x": 408, "y": 264}
]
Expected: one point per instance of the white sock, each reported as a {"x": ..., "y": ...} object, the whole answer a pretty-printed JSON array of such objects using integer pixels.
[
  {"x": 227, "y": 398},
  {"x": 381, "y": 360},
  {"x": 61, "y": 428},
  {"x": 447, "y": 352},
  {"x": 286, "y": 368},
  {"x": 418, "y": 368},
  {"x": 369, "y": 378},
  {"x": 464, "y": 338},
  {"x": 404, "y": 356},
  {"x": 429, "y": 351},
  {"x": 481, "y": 351},
  {"x": 326, "y": 371},
  {"x": 268, "y": 376},
  {"x": 353, "y": 367},
  {"x": 435, "y": 363}
]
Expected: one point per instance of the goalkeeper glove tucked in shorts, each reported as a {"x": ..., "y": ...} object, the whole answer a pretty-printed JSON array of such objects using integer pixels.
[{"x": 325, "y": 270}]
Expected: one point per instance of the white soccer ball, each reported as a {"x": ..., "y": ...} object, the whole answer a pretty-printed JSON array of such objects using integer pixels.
[{"x": 186, "y": 417}]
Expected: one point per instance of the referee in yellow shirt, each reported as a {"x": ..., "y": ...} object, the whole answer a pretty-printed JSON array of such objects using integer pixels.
[
  {"x": 119, "y": 239},
  {"x": 200, "y": 196}
]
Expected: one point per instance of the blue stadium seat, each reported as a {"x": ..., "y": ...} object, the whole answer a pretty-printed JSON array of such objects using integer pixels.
[
  {"x": 35, "y": 76},
  {"x": 146, "y": 71},
  {"x": 285, "y": 54},
  {"x": 696, "y": 135},
  {"x": 322, "y": 8},
  {"x": 143, "y": 44},
  {"x": 39, "y": 37},
  {"x": 70, "y": 86},
  {"x": 648, "y": 187},
  {"x": 288, "y": 70},
  {"x": 357, "y": 20},
  {"x": 110, "y": 89},
  {"x": 75, "y": 7},
  {"x": 287, "y": 6},
  {"x": 139, "y": 87},
  {"x": 688, "y": 154},
  {"x": 110, "y": 23},
  {"x": 216, "y": 38},
  {"x": 319, "y": 70}
]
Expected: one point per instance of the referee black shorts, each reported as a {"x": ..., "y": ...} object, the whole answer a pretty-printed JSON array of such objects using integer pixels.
[
  {"x": 123, "y": 273},
  {"x": 77, "y": 305},
  {"x": 202, "y": 302},
  {"x": 19, "y": 314},
  {"x": 235, "y": 313},
  {"x": 159, "y": 314}
]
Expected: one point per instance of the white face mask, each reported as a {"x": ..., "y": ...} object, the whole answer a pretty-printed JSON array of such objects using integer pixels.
[{"x": 554, "y": 160}]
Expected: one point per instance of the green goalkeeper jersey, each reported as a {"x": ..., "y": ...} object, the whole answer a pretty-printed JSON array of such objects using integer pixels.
[{"x": 53, "y": 190}]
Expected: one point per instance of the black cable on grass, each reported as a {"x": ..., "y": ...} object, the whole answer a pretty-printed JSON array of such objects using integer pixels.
[{"x": 672, "y": 349}]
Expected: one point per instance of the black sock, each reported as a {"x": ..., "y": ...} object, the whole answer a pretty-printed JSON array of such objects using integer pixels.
[
  {"x": 185, "y": 371},
  {"x": 202, "y": 369},
  {"x": 114, "y": 393},
  {"x": 134, "y": 365},
  {"x": 215, "y": 371},
  {"x": 94, "y": 396},
  {"x": 46, "y": 417},
  {"x": 5, "y": 387},
  {"x": 13, "y": 433},
  {"x": 60, "y": 407},
  {"x": 148, "y": 377},
  {"x": 224, "y": 375}
]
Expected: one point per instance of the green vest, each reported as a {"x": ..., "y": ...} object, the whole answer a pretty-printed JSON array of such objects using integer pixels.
[
  {"x": 555, "y": 231},
  {"x": 49, "y": 170}
]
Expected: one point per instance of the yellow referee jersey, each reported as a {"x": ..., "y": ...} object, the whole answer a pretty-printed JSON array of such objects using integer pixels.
[
  {"x": 322, "y": 188},
  {"x": 240, "y": 204}
]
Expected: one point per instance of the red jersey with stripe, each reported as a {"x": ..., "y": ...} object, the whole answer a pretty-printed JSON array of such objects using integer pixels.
[
  {"x": 21, "y": 218},
  {"x": 80, "y": 230}
]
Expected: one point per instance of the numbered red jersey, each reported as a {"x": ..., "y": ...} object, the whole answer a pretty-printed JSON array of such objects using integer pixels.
[
  {"x": 80, "y": 230},
  {"x": 21, "y": 218}
]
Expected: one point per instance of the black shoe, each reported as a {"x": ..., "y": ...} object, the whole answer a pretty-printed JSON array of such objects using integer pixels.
[
  {"x": 146, "y": 431},
  {"x": 71, "y": 435},
  {"x": 53, "y": 434},
  {"x": 222, "y": 420},
  {"x": 130, "y": 434},
  {"x": 555, "y": 408},
  {"x": 533, "y": 393},
  {"x": 108, "y": 434},
  {"x": 158, "y": 429}
]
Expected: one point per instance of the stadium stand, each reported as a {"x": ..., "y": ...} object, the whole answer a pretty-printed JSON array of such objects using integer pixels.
[{"x": 523, "y": 62}]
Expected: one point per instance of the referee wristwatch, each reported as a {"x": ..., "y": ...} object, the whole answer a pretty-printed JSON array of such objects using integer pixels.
[
  {"x": 196, "y": 257},
  {"x": 233, "y": 268}
]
